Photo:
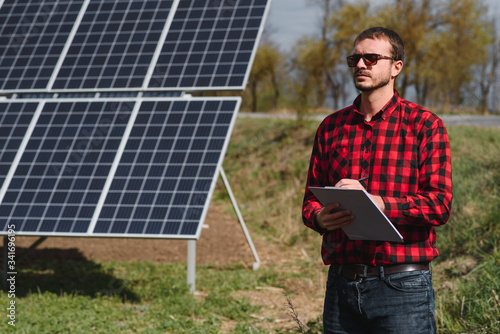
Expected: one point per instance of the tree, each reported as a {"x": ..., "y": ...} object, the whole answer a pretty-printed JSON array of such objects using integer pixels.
[
  {"x": 414, "y": 22},
  {"x": 462, "y": 31},
  {"x": 309, "y": 63},
  {"x": 344, "y": 33},
  {"x": 451, "y": 54},
  {"x": 266, "y": 67},
  {"x": 438, "y": 37},
  {"x": 488, "y": 72}
]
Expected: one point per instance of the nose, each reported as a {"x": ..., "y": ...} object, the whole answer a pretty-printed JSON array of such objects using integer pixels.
[{"x": 362, "y": 61}]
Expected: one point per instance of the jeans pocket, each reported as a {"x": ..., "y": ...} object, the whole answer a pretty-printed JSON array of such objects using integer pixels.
[{"x": 414, "y": 282}]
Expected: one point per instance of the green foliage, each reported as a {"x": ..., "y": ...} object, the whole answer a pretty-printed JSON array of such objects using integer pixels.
[
  {"x": 270, "y": 170},
  {"x": 162, "y": 302},
  {"x": 471, "y": 303},
  {"x": 267, "y": 71},
  {"x": 474, "y": 222},
  {"x": 467, "y": 287}
]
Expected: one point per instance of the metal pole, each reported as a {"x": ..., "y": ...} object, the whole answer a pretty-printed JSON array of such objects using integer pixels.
[
  {"x": 31, "y": 248},
  {"x": 191, "y": 265},
  {"x": 256, "y": 264}
]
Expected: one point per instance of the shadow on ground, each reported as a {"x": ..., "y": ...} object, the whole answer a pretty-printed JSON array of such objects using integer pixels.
[{"x": 66, "y": 271}]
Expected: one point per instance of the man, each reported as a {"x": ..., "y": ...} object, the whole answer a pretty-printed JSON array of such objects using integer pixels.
[{"x": 399, "y": 152}]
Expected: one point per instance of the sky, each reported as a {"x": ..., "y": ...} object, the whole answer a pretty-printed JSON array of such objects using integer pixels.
[{"x": 290, "y": 19}]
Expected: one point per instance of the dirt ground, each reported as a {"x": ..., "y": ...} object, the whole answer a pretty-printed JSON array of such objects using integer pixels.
[{"x": 222, "y": 242}]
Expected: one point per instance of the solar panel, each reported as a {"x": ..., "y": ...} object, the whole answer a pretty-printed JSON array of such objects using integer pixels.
[
  {"x": 101, "y": 45},
  {"x": 62, "y": 171},
  {"x": 210, "y": 45},
  {"x": 167, "y": 170},
  {"x": 143, "y": 167},
  {"x": 114, "y": 45},
  {"x": 15, "y": 119},
  {"x": 32, "y": 37}
]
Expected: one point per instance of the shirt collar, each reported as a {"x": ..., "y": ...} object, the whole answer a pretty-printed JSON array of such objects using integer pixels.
[{"x": 385, "y": 112}]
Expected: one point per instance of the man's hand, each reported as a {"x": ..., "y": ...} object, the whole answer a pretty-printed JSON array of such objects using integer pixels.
[
  {"x": 354, "y": 184},
  {"x": 351, "y": 184},
  {"x": 330, "y": 219}
]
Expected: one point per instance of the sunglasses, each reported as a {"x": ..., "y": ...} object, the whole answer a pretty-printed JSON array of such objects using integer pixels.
[{"x": 370, "y": 59}]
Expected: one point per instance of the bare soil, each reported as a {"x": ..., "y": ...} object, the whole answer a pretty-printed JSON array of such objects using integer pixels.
[{"x": 222, "y": 242}]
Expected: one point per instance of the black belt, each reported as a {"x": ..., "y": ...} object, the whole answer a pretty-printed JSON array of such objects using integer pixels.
[{"x": 353, "y": 271}]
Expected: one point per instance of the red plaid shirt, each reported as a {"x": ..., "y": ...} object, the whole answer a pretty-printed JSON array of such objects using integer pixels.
[{"x": 405, "y": 151}]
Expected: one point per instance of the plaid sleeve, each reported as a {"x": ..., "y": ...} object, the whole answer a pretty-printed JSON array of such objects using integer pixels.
[
  {"x": 315, "y": 177},
  {"x": 432, "y": 204}
]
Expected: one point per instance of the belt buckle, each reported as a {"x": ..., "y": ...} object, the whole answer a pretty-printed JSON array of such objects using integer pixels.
[
  {"x": 365, "y": 271},
  {"x": 348, "y": 274}
]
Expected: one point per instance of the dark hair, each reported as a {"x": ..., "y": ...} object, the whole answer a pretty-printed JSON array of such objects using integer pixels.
[{"x": 398, "y": 48}]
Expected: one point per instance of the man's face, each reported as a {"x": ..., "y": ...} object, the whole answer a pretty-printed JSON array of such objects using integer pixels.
[{"x": 370, "y": 78}]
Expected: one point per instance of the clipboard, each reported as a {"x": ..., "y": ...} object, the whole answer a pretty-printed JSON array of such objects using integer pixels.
[{"x": 370, "y": 223}]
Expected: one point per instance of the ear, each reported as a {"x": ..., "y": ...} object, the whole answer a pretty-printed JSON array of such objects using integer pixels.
[{"x": 397, "y": 66}]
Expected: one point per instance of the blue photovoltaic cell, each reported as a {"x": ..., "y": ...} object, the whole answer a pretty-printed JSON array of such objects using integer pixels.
[
  {"x": 15, "y": 118},
  {"x": 64, "y": 167},
  {"x": 32, "y": 37},
  {"x": 163, "y": 181},
  {"x": 114, "y": 44},
  {"x": 209, "y": 44}
]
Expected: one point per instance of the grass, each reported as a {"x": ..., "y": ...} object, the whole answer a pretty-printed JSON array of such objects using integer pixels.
[
  {"x": 468, "y": 285},
  {"x": 129, "y": 297},
  {"x": 266, "y": 164}
]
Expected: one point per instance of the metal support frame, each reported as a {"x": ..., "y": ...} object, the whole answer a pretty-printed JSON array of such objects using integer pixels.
[
  {"x": 191, "y": 265},
  {"x": 256, "y": 264},
  {"x": 32, "y": 248},
  {"x": 191, "y": 244}
]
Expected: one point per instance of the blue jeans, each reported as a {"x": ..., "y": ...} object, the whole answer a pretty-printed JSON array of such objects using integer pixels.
[{"x": 398, "y": 303}]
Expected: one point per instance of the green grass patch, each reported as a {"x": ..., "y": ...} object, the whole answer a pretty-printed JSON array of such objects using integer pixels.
[{"x": 130, "y": 297}]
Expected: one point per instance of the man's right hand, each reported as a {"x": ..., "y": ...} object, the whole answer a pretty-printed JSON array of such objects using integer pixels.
[{"x": 331, "y": 219}]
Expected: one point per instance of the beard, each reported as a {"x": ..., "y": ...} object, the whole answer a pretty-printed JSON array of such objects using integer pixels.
[{"x": 376, "y": 82}]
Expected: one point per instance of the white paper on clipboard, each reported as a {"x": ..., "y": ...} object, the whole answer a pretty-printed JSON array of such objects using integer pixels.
[{"x": 369, "y": 223}]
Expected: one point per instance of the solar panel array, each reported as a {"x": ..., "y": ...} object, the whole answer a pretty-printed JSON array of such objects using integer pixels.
[
  {"x": 112, "y": 167},
  {"x": 101, "y": 45},
  {"x": 97, "y": 134}
]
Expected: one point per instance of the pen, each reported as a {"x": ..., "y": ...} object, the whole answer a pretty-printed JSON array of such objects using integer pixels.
[{"x": 363, "y": 178}]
